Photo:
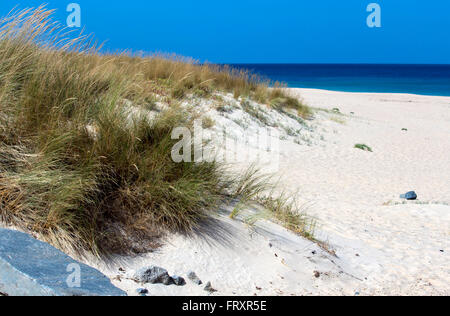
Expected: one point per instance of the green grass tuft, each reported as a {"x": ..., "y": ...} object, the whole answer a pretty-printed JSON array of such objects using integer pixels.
[
  {"x": 290, "y": 103},
  {"x": 363, "y": 147}
]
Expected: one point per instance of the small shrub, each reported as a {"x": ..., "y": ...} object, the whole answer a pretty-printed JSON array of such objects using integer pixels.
[
  {"x": 288, "y": 214},
  {"x": 208, "y": 122},
  {"x": 217, "y": 98},
  {"x": 255, "y": 112},
  {"x": 284, "y": 103},
  {"x": 363, "y": 147},
  {"x": 224, "y": 108}
]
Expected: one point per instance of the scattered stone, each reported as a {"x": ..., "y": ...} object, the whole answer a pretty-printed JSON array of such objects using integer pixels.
[
  {"x": 270, "y": 245},
  {"x": 194, "y": 278},
  {"x": 121, "y": 270},
  {"x": 314, "y": 252},
  {"x": 357, "y": 255},
  {"x": 142, "y": 292},
  {"x": 317, "y": 274},
  {"x": 179, "y": 281},
  {"x": 209, "y": 288},
  {"x": 410, "y": 196},
  {"x": 153, "y": 275},
  {"x": 29, "y": 267},
  {"x": 441, "y": 251}
]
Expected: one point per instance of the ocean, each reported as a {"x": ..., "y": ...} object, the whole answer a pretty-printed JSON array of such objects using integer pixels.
[{"x": 415, "y": 79}]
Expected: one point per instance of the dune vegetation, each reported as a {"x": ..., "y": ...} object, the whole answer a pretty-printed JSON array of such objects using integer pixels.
[{"x": 84, "y": 171}]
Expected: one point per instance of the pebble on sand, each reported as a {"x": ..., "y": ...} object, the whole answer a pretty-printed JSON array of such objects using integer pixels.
[
  {"x": 209, "y": 288},
  {"x": 194, "y": 278}
]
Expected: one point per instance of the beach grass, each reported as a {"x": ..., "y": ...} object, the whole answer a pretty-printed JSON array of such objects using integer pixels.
[
  {"x": 363, "y": 147},
  {"x": 289, "y": 103},
  {"x": 82, "y": 162}
]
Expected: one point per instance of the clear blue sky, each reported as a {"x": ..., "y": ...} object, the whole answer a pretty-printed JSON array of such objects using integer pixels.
[{"x": 274, "y": 31}]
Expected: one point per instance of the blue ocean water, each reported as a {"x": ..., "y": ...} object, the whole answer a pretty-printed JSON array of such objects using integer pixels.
[{"x": 416, "y": 79}]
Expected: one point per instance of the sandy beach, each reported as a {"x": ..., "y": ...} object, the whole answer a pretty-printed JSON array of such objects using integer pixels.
[
  {"x": 146, "y": 161},
  {"x": 383, "y": 245},
  {"x": 403, "y": 249}
]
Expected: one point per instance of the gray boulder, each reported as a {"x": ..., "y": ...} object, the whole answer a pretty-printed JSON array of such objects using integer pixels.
[
  {"x": 153, "y": 275},
  {"x": 29, "y": 267}
]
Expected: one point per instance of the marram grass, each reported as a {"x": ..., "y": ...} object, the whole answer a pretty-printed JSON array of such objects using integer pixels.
[{"x": 80, "y": 171}]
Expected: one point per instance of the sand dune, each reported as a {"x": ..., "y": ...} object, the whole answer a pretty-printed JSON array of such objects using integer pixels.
[{"x": 383, "y": 245}]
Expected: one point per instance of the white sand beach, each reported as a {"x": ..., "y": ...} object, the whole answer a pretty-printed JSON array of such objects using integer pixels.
[
  {"x": 384, "y": 246},
  {"x": 354, "y": 192},
  {"x": 170, "y": 175}
]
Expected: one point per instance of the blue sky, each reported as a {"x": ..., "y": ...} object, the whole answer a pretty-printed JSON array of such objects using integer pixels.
[{"x": 263, "y": 31}]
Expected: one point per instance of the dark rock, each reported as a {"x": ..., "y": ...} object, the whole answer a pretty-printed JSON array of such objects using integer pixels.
[
  {"x": 194, "y": 278},
  {"x": 29, "y": 267},
  {"x": 317, "y": 274},
  {"x": 209, "y": 288},
  {"x": 153, "y": 275},
  {"x": 411, "y": 196},
  {"x": 168, "y": 281},
  {"x": 142, "y": 292},
  {"x": 179, "y": 281}
]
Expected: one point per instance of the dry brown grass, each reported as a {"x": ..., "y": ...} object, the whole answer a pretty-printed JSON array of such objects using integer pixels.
[{"x": 115, "y": 190}]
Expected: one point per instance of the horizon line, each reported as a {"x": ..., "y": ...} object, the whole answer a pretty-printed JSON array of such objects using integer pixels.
[{"x": 387, "y": 64}]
